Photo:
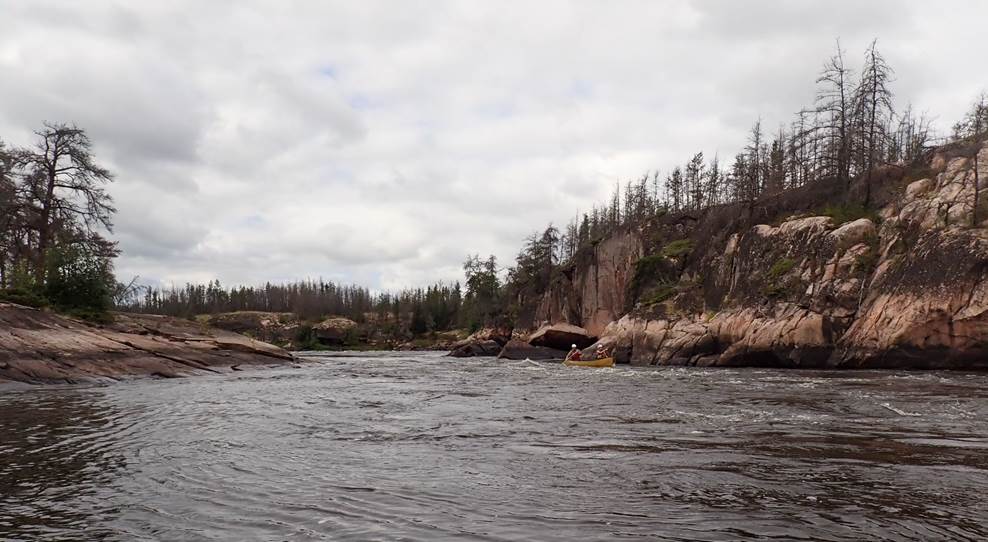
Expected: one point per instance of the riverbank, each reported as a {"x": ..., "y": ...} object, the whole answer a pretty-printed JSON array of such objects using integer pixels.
[
  {"x": 38, "y": 346},
  {"x": 806, "y": 278}
]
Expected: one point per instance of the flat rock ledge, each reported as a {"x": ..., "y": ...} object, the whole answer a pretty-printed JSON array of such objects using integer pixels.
[{"x": 41, "y": 347}]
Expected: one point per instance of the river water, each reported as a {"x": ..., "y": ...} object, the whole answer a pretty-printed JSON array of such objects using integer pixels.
[{"x": 422, "y": 447}]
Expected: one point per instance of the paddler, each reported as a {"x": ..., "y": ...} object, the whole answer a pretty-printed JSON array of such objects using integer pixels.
[{"x": 574, "y": 355}]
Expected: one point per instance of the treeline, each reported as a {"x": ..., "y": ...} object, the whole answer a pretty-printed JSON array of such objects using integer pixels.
[
  {"x": 849, "y": 132},
  {"x": 54, "y": 211},
  {"x": 308, "y": 299},
  {"x": 416, "y": 311},
  {"x": 438, "y": 307}
]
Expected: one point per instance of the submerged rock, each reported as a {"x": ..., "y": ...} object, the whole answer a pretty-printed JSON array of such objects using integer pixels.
[
  {"x": 469, "y": 349},
  {"x": 518, "y": 350}
]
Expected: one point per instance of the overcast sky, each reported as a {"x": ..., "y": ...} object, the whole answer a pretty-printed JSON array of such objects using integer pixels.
[{"x": 381, "y": 142}]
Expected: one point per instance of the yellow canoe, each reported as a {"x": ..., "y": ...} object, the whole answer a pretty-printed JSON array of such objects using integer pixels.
[{"x": 603, "y": 362}]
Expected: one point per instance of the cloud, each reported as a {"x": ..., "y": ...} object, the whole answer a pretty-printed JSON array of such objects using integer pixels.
[{"x": 381, "y": 142}]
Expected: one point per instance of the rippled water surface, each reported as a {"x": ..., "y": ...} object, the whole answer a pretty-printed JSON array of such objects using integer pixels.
[{"x": 421, "y": 447}]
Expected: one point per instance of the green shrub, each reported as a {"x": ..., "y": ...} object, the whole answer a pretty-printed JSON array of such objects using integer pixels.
[
  {"x": 781, "y": 267},
  {"x": 305, "y": 339},
  {"x": 866, "y": 262},
  {"x": 649, "y": 266},
  {"x": 661, "y": 293},
  {"x": 678, "y": 248},
  {"x": 774, "y": 286},
  {"x": 24, "y": 297},
  {"x": 848, "y": 212},
  {"x": 775, "y": 290},
  {"x": 90, "y": 315},
  {"x": 647, "y": 271},
  {"x": 80, "y": 281},
  {"x": 657, "y": 269}
]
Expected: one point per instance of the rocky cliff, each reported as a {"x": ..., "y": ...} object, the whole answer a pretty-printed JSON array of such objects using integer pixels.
[
  {"x": 789, "y": 283},
  {"x": 42, "y": 347},
  {"x": 592, "y": 291}
]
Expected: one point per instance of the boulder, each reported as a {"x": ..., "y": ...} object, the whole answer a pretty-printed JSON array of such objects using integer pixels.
[
  {"x": 919, "y": 188},
  {"x": 853, "y": 233},
  {"x": 500, "y": 335},
  {"x": 518, "y": 350},
  {"x": 483, "y": 342},
  {"x": 561, "y": 337},
  {"x": 334, "y": 331},
  {"x": 469, "y": 349},
  {"x": 278, "y": 327},
  {"x": 443, "y": 340}
]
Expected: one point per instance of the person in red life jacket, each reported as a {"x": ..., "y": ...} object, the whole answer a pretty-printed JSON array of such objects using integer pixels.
[{"x": 574, "y": 355}]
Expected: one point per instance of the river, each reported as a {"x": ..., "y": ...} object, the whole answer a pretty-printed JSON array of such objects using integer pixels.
[{"x": 422, "y": 447}]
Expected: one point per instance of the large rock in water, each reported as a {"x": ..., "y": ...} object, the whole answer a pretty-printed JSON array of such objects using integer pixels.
[
  {"x": 518, "y": 350},
  {"x": 469, "y": 349},
  {"x": 335, "y": 331},
  {"x": 483, "y": 342},
  {"x": 43, "y": 347},
  {"x": 561, "y": 337}
]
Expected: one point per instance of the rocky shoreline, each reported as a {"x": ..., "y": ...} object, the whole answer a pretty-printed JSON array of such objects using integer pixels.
[
  {"x": 905, "y": 286},
  {"x": 41, "y": 347}
]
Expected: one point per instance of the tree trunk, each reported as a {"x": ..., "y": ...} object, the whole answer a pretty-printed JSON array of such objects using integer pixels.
[
  {"x": 870, "y": 159},
  {"x": 45, "y": 227},
  {"x": 979, "y": 112}
]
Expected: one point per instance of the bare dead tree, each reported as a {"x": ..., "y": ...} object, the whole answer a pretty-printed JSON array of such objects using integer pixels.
[
  {"x": 910, "y": 138},
  {"x": 715, "y": 178},
  {"x": 874, "y": 110},
  {"x": 974, "y": 126},
  {"x": 835, "y": 107},
  {"x": 752, "y": 185}
]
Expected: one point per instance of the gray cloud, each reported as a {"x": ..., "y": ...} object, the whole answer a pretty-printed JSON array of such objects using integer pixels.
[{"x": 381, "y": 142}]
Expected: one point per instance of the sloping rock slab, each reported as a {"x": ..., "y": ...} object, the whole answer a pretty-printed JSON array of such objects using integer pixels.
[{"x": 42, "y": 347}]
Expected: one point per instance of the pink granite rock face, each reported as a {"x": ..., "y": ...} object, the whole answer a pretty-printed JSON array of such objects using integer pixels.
[{"x": 42, "y": 347}]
